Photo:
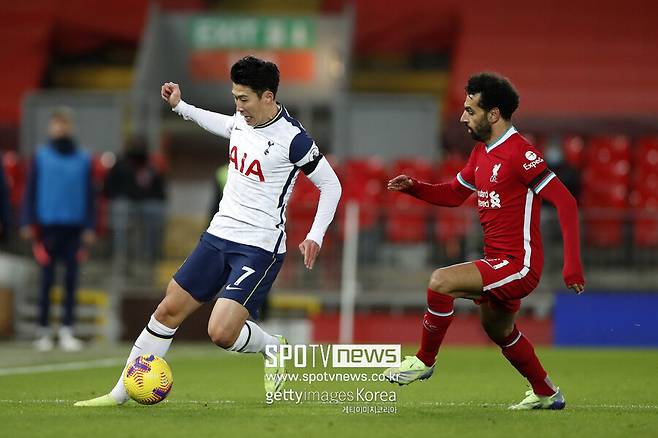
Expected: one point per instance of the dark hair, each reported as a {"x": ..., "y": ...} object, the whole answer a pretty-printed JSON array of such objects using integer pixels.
[
  {"x": 256, "y": 74},
  {"x": 496, "y": 91}
]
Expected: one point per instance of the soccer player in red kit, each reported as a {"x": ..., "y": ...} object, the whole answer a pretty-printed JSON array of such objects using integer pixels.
[{"x": 510, "y": 178}]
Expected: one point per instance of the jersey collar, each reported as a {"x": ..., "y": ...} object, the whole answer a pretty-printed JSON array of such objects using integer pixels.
[
  {"x": 278, "y": 115},
  {"x": 511, "y": 131}
]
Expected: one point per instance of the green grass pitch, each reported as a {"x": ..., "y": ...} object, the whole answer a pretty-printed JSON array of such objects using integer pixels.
[{"x": 608, "y": 392}]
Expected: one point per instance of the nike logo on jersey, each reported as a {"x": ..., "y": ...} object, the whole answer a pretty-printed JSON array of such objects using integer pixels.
[{"x": 233, "y": 288}]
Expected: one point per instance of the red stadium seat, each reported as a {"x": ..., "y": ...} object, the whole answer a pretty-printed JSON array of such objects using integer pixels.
[
  {"x": 363, "y": 181},
  {"x": 606, "y": 185},
  {"x": 605, "y": 215},
  {"x": 645, "y": 161},
  {"x": 406, "y": 220},
  {"x": 609, "y": 158},
  {"x": 645, "y": 219},
  {"x": 418, "y": 168},
  {"x": 407, "y": 217},
  {"x": 573, "y": 148}
]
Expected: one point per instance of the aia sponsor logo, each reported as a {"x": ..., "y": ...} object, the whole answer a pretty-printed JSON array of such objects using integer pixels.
[{"x": 252, "y": 167}]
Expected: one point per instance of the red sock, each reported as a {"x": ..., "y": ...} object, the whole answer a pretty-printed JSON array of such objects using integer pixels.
[
  {"x": 518, "y": 350},
  {"x": 437, "y": 319}
]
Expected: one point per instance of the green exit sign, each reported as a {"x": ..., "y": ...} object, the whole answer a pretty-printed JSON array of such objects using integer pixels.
[{"x": 234, "y": 32}]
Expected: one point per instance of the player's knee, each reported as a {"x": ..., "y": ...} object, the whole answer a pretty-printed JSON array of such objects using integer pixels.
[
  {"x": 439, "y": 282},
  {"x": 497, "y": 332},
  {"x": 222, "y": 336},
  {"x": 167, "y": 313}
]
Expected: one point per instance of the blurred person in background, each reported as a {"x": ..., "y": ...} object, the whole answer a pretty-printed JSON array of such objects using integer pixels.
[
  {"x": 58, "y": 216},
  {"x": 570, "y": 177},
  {"x": 5, "y": 205},
  {"x": 218, "y": 183},
  {"x": 510, "y": 179},
  {"x": 137, "y": 192},
  {"x": 567, "y": 173},
  {"x": 239, "y": 256}
]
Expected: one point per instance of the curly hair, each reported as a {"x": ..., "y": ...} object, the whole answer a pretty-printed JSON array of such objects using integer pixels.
[{"x": 496, "y": 91}]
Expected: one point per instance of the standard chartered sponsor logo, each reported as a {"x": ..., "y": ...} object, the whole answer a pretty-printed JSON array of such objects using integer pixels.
[
  {"x": 495, "y": 199},
  {"x": 488, "y": 199}
]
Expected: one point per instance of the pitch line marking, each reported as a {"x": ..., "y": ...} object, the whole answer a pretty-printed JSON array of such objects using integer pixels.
[
  {"x": 569, "y": 405},
  {"x": 165, "y": 402},
  {"x": 438, "y": 404},
  {"x": 66, "y": 366}
]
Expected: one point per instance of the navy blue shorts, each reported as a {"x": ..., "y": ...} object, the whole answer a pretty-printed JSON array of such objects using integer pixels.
[{"x": 247, "y": 272}]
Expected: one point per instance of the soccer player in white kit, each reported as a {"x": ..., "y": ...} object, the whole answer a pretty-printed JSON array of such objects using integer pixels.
[{"x": 243, "y": 248}]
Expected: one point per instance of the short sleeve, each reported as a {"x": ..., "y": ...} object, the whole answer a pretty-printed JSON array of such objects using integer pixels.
[
  {"x": 466, "y": 177},
  {"x": 532, "y": 168},
  {"x": 303, "y": 149}
]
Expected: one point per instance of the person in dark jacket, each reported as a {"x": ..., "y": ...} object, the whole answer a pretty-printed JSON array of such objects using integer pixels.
[
  {"x": 137, "y": 193},
  {"x": 58, "y": 216},
  {"x": 5, "y": 205}
]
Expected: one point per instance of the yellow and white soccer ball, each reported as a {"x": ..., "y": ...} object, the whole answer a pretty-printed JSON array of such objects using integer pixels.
[{"x": 148, "y": 379}]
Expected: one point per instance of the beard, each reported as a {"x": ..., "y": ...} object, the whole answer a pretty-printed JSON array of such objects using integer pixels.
[{"x": 481, "y": 132}]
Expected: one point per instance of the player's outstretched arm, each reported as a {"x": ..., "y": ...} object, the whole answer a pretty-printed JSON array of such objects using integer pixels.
[
  {"x": 218, "y": 124},
  {"x": 567, "y": 210},
  {"x": 325, "y": 179},
  {"x": 445, "y": 194}
]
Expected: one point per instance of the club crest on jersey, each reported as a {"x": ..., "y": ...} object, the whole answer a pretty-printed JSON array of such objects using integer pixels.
[
  {"x": 253, "y": 168},
  {"x": 270, "y": 143},
  {"x": 494, "y": 173}
]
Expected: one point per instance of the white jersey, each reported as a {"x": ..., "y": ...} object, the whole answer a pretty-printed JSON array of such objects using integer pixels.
[{"x": 264, "y": 162}]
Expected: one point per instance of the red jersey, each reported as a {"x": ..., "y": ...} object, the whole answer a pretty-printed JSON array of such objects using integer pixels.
[{"x": 507, "y": 177}]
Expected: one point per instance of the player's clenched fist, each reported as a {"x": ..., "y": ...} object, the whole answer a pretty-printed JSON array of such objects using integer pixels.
[
  {"x": 400, "y": 182},
  {"x": 170, "y": 93}
]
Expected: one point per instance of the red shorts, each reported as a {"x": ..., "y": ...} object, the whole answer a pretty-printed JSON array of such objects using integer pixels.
[{"x": 505, "y": 281}]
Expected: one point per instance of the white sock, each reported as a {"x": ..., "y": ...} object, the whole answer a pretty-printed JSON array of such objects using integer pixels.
[
  {"x": 155, "y": 339},
  {"x": 253, "y": 339}
]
